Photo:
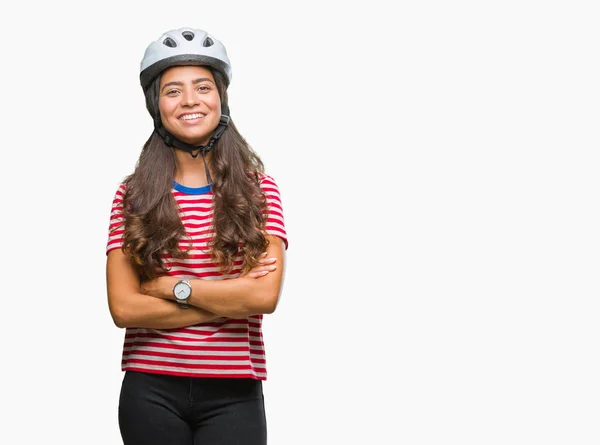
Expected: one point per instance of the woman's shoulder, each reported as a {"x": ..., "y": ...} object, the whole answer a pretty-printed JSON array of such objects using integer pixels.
[
  {"x": 266, "y": 179},
  {"x": 119, "y": 193},
  {"x": 121, "y": 187}
]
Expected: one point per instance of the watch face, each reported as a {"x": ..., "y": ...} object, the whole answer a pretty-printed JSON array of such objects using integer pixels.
[{"x": 182, "y": 291}]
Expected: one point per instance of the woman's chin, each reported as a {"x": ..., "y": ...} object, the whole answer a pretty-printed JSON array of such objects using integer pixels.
[{"x": 193, "y": 140}]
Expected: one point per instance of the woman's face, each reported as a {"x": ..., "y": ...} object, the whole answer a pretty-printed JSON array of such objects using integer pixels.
[{"x": 189, "y": 103}]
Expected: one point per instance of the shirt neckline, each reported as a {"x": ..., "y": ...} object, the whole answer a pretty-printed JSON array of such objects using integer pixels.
[{"x": 192, "y": 190}]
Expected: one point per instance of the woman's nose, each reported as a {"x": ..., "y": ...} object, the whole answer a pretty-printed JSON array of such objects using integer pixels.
[{"x": 189, "y": 98}]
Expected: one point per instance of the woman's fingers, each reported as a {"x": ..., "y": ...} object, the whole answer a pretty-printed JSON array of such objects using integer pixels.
[
  {"x": 263, "y": 266},
  {"x": 259, "y": 271},
  {"x": 266, "y": 261}
]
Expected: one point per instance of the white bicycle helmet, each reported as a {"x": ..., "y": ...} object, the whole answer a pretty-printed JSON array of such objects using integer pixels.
[{"x": 183, "y": 46}]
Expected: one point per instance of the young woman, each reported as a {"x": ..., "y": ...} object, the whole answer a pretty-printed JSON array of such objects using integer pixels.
[{"x": 195, "y": 257}]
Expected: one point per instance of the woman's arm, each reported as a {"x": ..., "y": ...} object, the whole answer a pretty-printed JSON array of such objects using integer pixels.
[
  {"x": 233, "y": 298},
  {"x": 129, "y": 308}
]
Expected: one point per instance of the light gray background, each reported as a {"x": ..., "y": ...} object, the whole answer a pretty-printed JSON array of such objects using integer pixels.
[{"x": 438, "y": 165}]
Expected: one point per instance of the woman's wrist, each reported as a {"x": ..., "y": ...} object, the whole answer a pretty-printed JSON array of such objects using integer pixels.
[
  {"x": 166, "y": 287},
  {"x": 161, "y": 287}
]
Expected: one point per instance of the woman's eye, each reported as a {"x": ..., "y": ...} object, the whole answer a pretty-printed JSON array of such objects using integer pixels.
[{"x": 204, "y": 88}]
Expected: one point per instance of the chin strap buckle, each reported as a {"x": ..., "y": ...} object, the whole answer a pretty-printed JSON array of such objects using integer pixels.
[{"x": 224, "y": 120}]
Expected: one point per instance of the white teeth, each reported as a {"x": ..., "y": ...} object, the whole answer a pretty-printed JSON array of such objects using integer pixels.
[{"x": 191, "y": 116}]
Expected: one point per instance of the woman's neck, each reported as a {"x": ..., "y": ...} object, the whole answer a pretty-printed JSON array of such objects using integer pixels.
[{"x": 191, "y": 171}]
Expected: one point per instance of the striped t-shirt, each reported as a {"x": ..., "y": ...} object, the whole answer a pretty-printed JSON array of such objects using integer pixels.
[{"x": 220, "y": 348}]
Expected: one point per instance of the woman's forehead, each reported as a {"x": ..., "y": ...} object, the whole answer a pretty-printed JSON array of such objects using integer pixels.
[{"x": 186, "y": 73}]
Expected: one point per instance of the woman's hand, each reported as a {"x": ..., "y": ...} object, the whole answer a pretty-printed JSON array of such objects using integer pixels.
[
  {"x": 263, "y": 267},
  {"x": 158, "y": 287}
]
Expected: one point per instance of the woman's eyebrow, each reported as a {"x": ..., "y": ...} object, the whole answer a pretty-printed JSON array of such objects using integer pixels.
[
  {"x": 201, "y": 79},
  {"x": 168, "y": 84}
]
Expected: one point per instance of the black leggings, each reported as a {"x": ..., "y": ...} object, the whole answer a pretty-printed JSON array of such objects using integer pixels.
[{"x": 168, "y": 410}]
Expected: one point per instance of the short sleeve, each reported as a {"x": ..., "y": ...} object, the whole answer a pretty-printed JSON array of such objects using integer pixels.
[
  {"x": 116, "y": 228},
  {"x": 275, "y": 224}
]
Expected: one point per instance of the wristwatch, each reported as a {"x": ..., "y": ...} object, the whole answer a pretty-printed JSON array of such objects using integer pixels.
[{"x": 182, "y": 291}]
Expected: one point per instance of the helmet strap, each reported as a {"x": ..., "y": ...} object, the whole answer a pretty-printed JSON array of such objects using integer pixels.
[{"x": 193, "y": 150}]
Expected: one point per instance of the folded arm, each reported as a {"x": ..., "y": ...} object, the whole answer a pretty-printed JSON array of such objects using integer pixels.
[
  {"x": 130, "y": 308},
  {"x": 233, "y": 298}
]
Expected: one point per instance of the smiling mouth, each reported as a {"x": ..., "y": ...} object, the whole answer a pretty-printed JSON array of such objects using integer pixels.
[{"x": 189, "y": 117}]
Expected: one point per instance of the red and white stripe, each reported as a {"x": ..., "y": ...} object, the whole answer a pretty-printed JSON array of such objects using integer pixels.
[{"x": 221, "y": 348}]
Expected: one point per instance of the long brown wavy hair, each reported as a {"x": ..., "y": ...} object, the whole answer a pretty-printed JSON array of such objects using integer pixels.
[{"x": 151, "y": 216}]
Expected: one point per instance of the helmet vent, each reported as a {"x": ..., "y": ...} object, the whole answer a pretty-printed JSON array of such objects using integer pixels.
[
  {"x": 188, "y": 35},
  {"x": 208, "y": 42},
  {"x": 170, "y": 42}
]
